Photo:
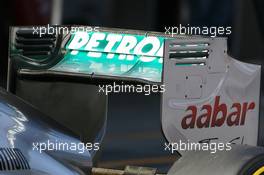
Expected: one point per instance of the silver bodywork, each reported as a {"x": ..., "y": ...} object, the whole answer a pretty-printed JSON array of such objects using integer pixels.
[{"x": 22, "y": 125}]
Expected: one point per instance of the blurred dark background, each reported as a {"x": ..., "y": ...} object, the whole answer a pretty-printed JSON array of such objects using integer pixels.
[{"x": 125, "y": 144}]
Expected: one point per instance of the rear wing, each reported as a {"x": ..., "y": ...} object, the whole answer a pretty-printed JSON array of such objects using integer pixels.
[{"x": 209, "y": 96}]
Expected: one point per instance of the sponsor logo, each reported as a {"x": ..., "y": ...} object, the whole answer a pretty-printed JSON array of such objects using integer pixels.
[
  {"x": 217, "y": 115},
  {"x": 127, "y": 46}
]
